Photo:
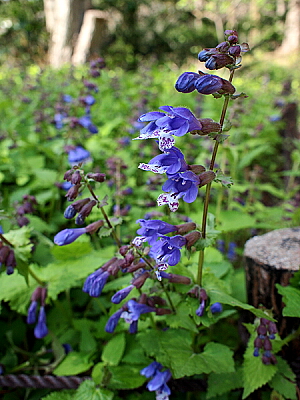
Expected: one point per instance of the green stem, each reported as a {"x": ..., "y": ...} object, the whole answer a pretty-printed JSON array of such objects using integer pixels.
[
  {"x": 35, "y": 277},
  {"x": 113, "y": 232},
  {"x": 208, "y": 187}
]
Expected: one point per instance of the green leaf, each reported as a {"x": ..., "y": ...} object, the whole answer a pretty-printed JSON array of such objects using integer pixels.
[
  {"x": 173, "y": 349},
  {"x": 114, "y": 349},
  {"x": 88, "y": 390},
  {"x": 60, "y": 395},
  {"x": 14, "y": 289},
  {"x": 98, "y": 373},
  {"x": 182, "y": 318},
  {"x": 284, "y": 381},
  {"x": 235, "y": 220},
  {"x": 125, "y": 377},
  {"x": 291, "y": 299},
  {"x": 255, "y": 373},
  {"x": 77, "y": 249},
  {"x": 219, "y": 384},
  {"x": 74, "y": 363}
]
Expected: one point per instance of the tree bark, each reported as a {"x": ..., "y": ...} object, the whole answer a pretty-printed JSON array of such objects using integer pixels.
[
  {"x": 63, "y": 22},
  {"x": 291, "y": 40}
]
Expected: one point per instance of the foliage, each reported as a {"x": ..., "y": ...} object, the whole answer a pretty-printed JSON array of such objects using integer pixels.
[{"x": 250, "y": 196}]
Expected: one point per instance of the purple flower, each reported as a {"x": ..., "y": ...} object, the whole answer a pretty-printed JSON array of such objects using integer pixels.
[
  {"x": 175, "y": 121},
  {"x": 216, "y": 308},
  {"x": 151, "y": 229},
  {"x": 58, "y": 120},
  {"x": 95, "y": 283},
  {"x": 78, "y": 155},
  {"x": 41, "y": 329},
  {"x": 186, "y": 82},
  {"x": 67, "y": 98},
  {"x": 171, "y": 162},
  {"x": 113, "y": 321},
  {"x": 68, "y": 236},
  {"x": 151, "y": 369},
  {"x": 121, "y": 294},
  {"x": 183, "y": 184},
  {"x": 159, "y": 380},
  {"x": 208, "y": 84},
  {"x": 167, "y": 249},
  {"x": 135, "y": 310},
  {"x": 31, "y": 317},
  {"x": 200, "y": 309},
  {"x": 86, "y": 122}
]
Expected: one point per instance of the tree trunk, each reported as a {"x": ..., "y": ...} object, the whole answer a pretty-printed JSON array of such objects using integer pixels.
[
  {"x": 63, "y": 21},
  {"x": 291, "y": 40}
]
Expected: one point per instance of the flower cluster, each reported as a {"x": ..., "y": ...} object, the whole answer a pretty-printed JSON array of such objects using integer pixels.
[
  {"x": 159, "y": 379},
  {"x": 266, "y": 331},
  {"x": 38, "y": 296}
]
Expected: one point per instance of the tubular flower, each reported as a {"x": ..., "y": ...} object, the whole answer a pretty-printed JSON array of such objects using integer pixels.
[
  {"x": 170, "y": 162},
  {"x": 159, "y": 380},
  {"x": 183, "y": 184},
  {"x": 151, "y": 230},
  {"x": 175, "y": 121},
  {"x": 167, "y": 250},
  {"x": 203, "y": 83},
  {"x": 78, "y": 155},
  {"x": 68, "y": 236}
]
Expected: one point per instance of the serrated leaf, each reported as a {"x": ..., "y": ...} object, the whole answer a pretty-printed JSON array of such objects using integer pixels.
[
  {"x": 114, "y": 349},
  {"x": 291, "y": 299},
  {"x": 182, "y": 318},
  {"x": 60, "y": 395},
  {"x": 74, "y": 363},
  {"x": 125, "y": 377},
  {"x": 88, "y": 390},
  {"x": 255, "y": 373},
  {"x": 219, "y": 384},
  {"x": 14, "y": 289}
]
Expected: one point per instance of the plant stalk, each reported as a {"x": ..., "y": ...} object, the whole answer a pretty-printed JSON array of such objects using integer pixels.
[{"x": 208, "y": 186}]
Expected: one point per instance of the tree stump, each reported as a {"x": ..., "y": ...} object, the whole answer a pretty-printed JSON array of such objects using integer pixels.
[{"x": 272, "y": 258}]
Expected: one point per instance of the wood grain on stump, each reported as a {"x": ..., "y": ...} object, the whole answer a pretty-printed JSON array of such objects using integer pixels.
[{"x": 270, "y": 259}]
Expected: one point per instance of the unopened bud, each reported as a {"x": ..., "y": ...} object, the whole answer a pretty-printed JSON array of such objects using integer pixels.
[
  {"x": 114, "y": 268},
  {"x": 184, "y": 228},
  {"x": 233, "y": 39},
  {"x": 135, "y": 267},
  {"x": 206, "y": 177},
  {"x": 223, "y": 47},
  {"x": 68, "y": 175},
  {"x": 129, "y": 258},
  {"x": 78, "y": 204},
  {"x": 267, "y": 344},
  {"x": 163, "y": 311},
  {"x": 209, "y": 126},
  {"x": 235, "y": 51},
  {"x": 123, "y": 250},
  {"x": 218, "y": 61},
  {"x": 197, "y": 169},
  {"x": 98, "y": 177},
  {"x": 10, "y": 259},
  {"x": 92, "y": 228},
  {"x": 174, "y": 278},
  {"x": 227, "y": 87},
  {"x": 85, "y": 212},
  {"x": 43, "y": 295},
  {"x": 72, "y": 192},
  {"x": 4, "y": 253},
  {"x": 192, "y": 238},
  {"x": 140, "y": 280},
  {"x": 203, "y": 294},
  {"x": 76, "y": 178},
  {"x": 156, "y": 300},
  {"x": 108, "y": 264},
  {"x": 36, "y": 295}
]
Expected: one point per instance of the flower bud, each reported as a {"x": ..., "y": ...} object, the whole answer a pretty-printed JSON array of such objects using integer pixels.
[
  {"x": 205, "y": 54},
  {"x": 184, "y": 280},
  {"x": 114, "y": 268},
  {"x": 267, "y": 344},
  {"x": 185, "y": 82},
  {"x": 68, "y": 175},
  {"x": 155, "y": 300},
  {"x": 223, "y": 47},
  {"x": 197, "y": 169},
  {"x": 85, "y": 212},
  {"x": 209, "y": 126},
  {"x": 123, "y": 250},
  {"x": 4, "y": 253},
  {"x": 140, "y": 280},
  {"x": 261, "y": 330},
  {"x": 78, "y": 204},
  {"x": 72, "y": 192},
  {"x": 258, "y": 343},
  {"x": 192, "y": 238},
  {"x": 10, "y": 259},
  {"x": 76, "y": 178},
  {"x": 233, "y": 38},
  {"x": 208, "y": 84},
  {"x": 163, "y": 311},
  {"x": 129, "y": 258},
  {"x": 216, "y": 308},
  {"x": 184, "y": 228},
  {"x": 92, "y": 228},
  {"x": 98, "y": 177},
  {"x": 135, "y": 267},
  {"x": 235, "y": 51},
  {"x": 70, "y": 212},
  {"x": 206, "y": 177}
]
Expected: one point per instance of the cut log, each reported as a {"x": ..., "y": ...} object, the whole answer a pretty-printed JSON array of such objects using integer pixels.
[{"x": 270, "y": 259}]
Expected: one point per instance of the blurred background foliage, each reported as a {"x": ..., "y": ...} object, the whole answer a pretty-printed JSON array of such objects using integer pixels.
[{"x": 165, "y": 30}]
